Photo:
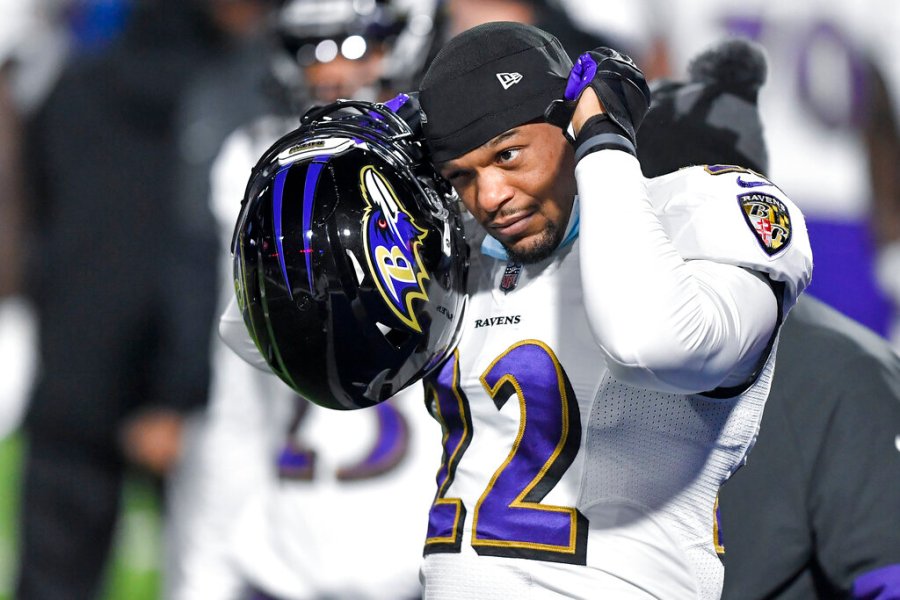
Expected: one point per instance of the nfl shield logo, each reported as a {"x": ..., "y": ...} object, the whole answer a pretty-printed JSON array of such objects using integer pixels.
[
  {"x": 510, "y": 278},
  {"x": 769, "y": 220}
]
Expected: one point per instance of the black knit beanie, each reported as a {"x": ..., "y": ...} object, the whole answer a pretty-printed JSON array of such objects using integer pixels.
[
  {"x": 712, "y": 118},
  {"x": 487, "y": 80}
]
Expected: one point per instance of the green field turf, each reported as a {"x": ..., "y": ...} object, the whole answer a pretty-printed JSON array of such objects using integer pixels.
[{"x": 135, "y": 569}]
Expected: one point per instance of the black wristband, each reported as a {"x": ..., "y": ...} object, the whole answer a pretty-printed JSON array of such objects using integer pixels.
[{"x": 601, "y": 133}]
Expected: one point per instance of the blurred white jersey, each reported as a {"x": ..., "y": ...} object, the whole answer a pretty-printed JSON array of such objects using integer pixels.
[
  {"x": 558, "y": 480},
  {"x": 297, "y": 504}
]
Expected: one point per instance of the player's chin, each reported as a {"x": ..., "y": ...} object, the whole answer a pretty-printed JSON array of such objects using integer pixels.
[{"x": 533, "y": 248}]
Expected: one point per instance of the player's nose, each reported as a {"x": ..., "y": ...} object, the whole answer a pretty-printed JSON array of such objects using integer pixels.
[{"x": 493, "y": 190}]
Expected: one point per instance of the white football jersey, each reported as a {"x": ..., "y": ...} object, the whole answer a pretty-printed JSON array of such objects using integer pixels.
[
  {"x": 344, "y": 515},
  {"x": 558, "y": 480}
]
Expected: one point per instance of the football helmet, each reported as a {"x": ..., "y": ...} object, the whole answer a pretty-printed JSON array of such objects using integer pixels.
[{"x": 349, "y": 258}]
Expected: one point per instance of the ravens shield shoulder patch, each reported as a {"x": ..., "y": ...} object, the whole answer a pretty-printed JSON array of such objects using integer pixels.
[{"x": 769, "y": 220}]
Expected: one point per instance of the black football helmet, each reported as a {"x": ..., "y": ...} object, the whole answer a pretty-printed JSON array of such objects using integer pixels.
[{"x": 349, "y": 258}]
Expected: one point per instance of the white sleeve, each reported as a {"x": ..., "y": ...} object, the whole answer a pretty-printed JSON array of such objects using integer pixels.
[
  {"x": 662, "y": 322},
  {"x": 227, "y": 463},
  {"x": 234, "y": 333}
]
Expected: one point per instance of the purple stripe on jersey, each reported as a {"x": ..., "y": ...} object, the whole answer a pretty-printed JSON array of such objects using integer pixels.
[
  {"x": 309, "y": 196},
  {"x": 277, "y": 203},
  {"x": 293, "y": 460},
  {"x": 880, "y": 584},
  {"x": 721, "y": 538}
]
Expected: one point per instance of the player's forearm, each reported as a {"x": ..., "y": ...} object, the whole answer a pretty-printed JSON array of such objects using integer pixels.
[{"x": 663, "y": 322}]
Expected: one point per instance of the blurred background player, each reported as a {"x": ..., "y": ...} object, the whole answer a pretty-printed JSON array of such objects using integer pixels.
[
  {"x": 830, "y": 110},
  {"x": 275, "y": 496},
  {"x": 811, "y": 514}
]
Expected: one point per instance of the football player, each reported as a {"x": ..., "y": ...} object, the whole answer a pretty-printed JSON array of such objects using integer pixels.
[
  {"x": 617, "y": 346},
  {"x": 618, "y": 343}
]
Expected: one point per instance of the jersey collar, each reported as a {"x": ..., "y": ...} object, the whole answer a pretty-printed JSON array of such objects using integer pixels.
[{"x": 491, "y": 247}]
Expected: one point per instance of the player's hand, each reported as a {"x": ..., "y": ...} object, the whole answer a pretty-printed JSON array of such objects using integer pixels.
[
  {"x": 152, "y": 440},
  {"x": 407, "y": 107},
  {"x": 587, "y": 106},
  {"x": 618, "y": 84}
]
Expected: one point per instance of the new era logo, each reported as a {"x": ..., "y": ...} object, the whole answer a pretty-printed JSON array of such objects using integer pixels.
[{"x": 507, "y": 80}]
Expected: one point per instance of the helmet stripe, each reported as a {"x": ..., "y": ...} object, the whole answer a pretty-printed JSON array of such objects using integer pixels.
[
  {"x": 277, "y": 201},
  {"x": 309, "y": 198},
  {"x": 282, "y": 369}
]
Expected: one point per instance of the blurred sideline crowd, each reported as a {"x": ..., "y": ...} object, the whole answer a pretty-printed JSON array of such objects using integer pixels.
[{"x": 128, "y": 129}]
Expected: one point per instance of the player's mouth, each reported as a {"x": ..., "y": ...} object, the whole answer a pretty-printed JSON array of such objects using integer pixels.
[{"x": 512, "y": 226}]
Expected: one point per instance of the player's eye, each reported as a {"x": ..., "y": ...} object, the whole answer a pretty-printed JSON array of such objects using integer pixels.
[{"x": 508, "y": 154}]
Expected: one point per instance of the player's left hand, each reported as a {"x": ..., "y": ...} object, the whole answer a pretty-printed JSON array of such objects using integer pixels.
[{"x": 619, "y": 84}]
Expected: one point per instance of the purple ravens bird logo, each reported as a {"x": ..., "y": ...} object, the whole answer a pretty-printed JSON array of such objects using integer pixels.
[{"x": 392, "y": 241}]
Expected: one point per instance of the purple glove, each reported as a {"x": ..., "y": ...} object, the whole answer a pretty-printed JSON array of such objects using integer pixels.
[
  {"x": 406, "y": 106},
  {"x": 397, "y": 101}
]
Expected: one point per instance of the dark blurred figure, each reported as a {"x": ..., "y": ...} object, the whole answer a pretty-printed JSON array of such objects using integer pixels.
[
  {"x": 233, "y": 88},
  {"x": 34, "y": 40},
  {"x": 111, "y": 390}
]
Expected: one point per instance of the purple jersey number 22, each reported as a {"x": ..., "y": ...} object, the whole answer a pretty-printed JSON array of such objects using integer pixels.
[{"x": 509, "y": 519}]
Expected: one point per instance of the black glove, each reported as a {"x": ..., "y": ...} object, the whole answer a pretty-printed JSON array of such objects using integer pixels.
[{"x": 621, "y": 88}]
